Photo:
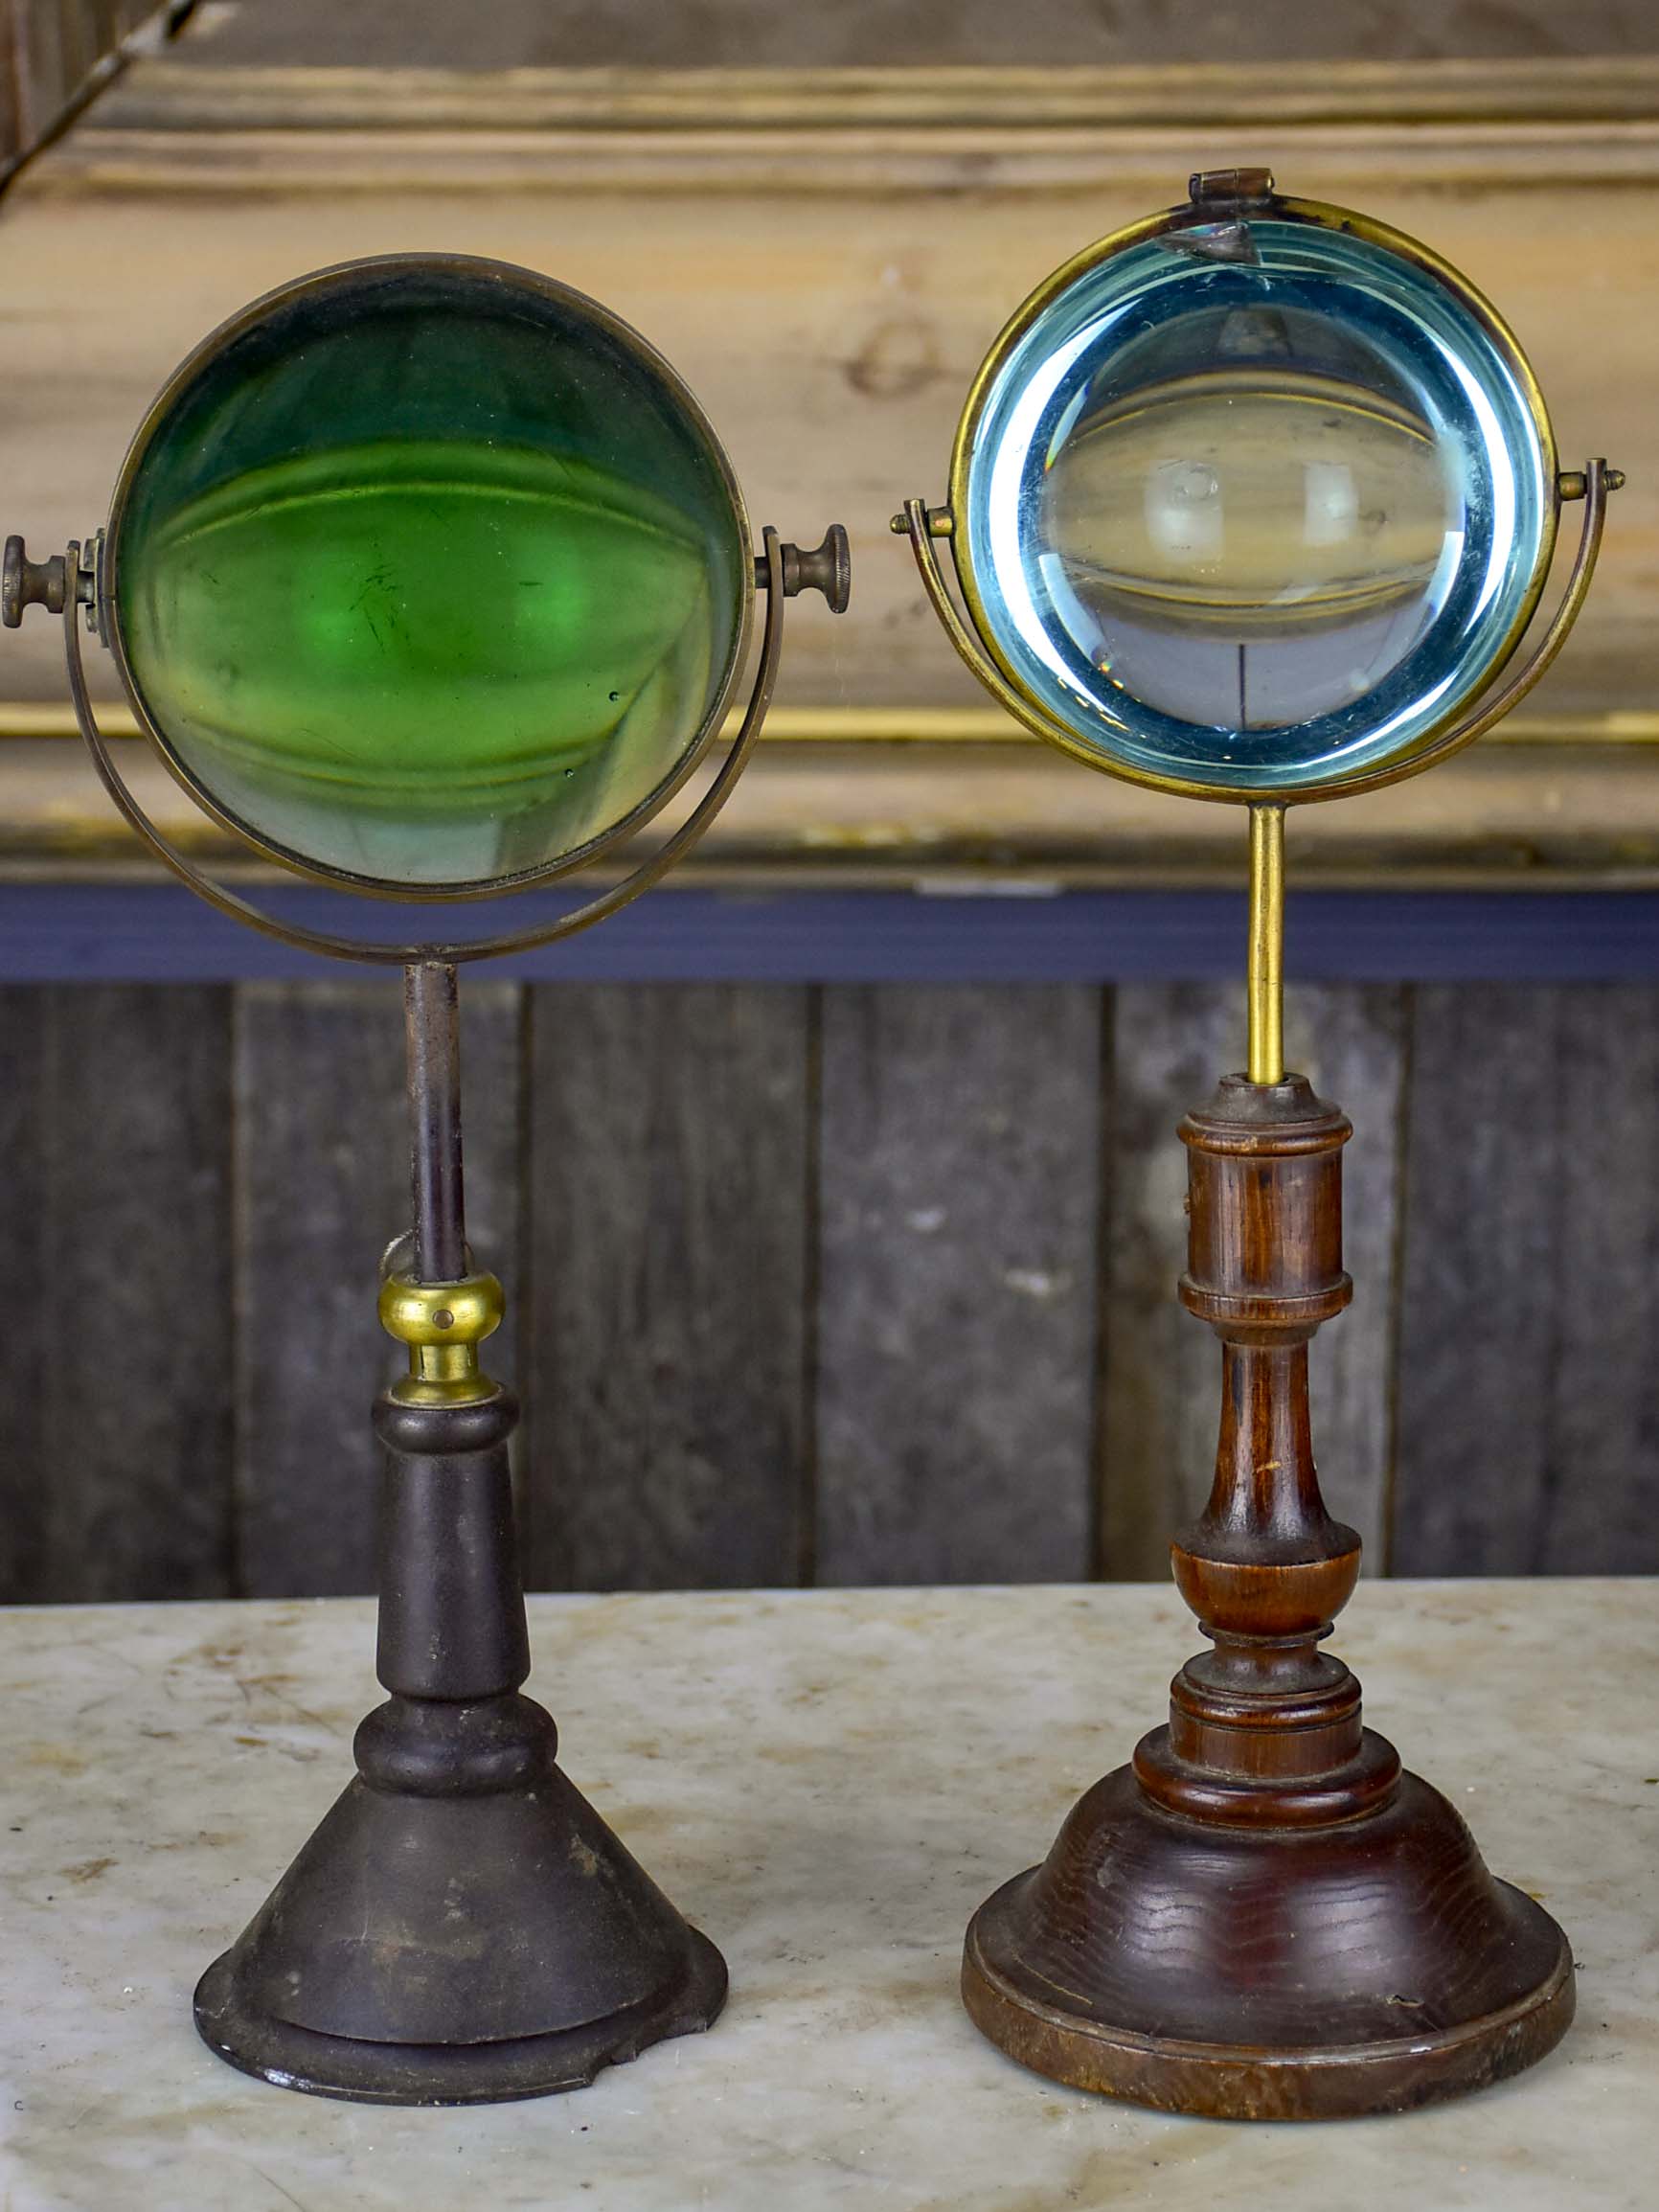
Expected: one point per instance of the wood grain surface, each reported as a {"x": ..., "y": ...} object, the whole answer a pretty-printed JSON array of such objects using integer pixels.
[
  {"x": 665, "y": 1345},
  {"x": 52, "y": 53},
  {"x": 512, "y": 34},
  {"x": 118, "y": 1434},
  {"x": 1529, "y": 1403},
  {"x": 858, "y": 197},
  {"x": 878, "y": 248},
  {"x": 884, "y": 812},
  {"x": 322, "y": 1187},
  {"x": 864, "y": 1284},
  {"x": 960, "y": 1176}
]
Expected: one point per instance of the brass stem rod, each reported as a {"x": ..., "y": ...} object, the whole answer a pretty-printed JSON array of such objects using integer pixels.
[{"x": 1267, "y": 944}]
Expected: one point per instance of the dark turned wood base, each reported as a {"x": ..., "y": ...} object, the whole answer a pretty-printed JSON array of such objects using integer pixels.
[{"x": 1263, "y": 1917}]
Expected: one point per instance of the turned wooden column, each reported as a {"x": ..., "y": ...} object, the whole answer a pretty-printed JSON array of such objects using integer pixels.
[
  {"x": 1264, "y": 1727},
  {"x": 1263, "y": 1916}
]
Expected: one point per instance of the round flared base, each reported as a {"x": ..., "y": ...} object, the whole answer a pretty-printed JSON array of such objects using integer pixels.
[
  {"x": 1364, "y": 1968},
  {"x": 484, "y": 2074}
]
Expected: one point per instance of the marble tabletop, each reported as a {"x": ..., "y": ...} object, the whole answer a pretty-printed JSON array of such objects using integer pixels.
[{"x": 828, "y": 1783}]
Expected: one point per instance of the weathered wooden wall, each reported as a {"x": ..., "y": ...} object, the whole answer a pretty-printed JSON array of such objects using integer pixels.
[
  {"x": 825, "y": 253},
  {"x": 52, "y": 52},
  {"x": 824, "y": 1283},
  {"x": 811, "y": 1283},
  {"x": 496, "y": 35}
]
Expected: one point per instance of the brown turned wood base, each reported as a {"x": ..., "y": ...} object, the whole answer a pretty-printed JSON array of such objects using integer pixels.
[
  {"x": 1319, "y": 1975},
  {"x": 1263, "y": 1917}
]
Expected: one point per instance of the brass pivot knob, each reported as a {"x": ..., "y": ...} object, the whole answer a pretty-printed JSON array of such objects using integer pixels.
[
  {"x": 26, "y": 583},
  {"x": 827, "y": 569}
]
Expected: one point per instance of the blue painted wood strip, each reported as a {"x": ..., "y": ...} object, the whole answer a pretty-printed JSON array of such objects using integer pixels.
[{"x": 102, "y": 932}]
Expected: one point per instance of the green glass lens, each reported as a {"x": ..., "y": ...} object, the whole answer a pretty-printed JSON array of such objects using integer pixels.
[{"x": 431, "y": 576}]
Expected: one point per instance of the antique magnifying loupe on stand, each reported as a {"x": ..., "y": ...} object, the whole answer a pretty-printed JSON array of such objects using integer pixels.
[
  {"x": 429, "y": 579},
  {"x": 1252, "y": 502}
]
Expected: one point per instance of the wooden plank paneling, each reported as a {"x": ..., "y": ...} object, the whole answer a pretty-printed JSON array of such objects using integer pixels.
[
  {"x": 960, "y": 1193},
  {"x": 42, "y": 39},
  {"x": 1161, "y": 1370},
  {"x": 117, "y": 1191},
  {"x": 1351, "y": 1040},
  {"x": 1528, "y": 1389},
  {"x": 1478, "y": 1332},
  {"x": 1537, "y": 805},
  {"x": 1482, "y": 1248},
  {"x": 669, "y": 1175},
  {"x": 193, "y": 89},
  {"x": 27, "y": 1346},
  {"x": 670, "y": 1153},
  {"x": 1060, "y": 34},
  {"x": 51, "y": 51},
  {"x": 1601, "y": 1496},
  {"x": 323, "y": 1185}
]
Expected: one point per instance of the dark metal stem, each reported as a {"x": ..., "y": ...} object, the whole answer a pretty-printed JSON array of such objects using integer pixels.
[{"x": 431, "y": 1016}]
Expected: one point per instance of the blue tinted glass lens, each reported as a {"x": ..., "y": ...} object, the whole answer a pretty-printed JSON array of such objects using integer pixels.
[{"x": 1255, "y": 506}]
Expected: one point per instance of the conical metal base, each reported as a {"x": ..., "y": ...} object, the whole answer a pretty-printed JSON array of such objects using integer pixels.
[
  {"x": 463, "y": 1927},
  {"x": 435, "y": 1950}
]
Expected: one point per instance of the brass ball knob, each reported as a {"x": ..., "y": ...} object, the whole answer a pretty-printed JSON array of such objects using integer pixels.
[{"x": 440, "y": 1314}]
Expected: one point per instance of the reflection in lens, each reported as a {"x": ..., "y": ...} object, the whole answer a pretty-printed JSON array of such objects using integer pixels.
[
  {"x": 1248, "y": 543},
  {"x": 1245, "y": 521},
  {"x": 429, "y": 577}
]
